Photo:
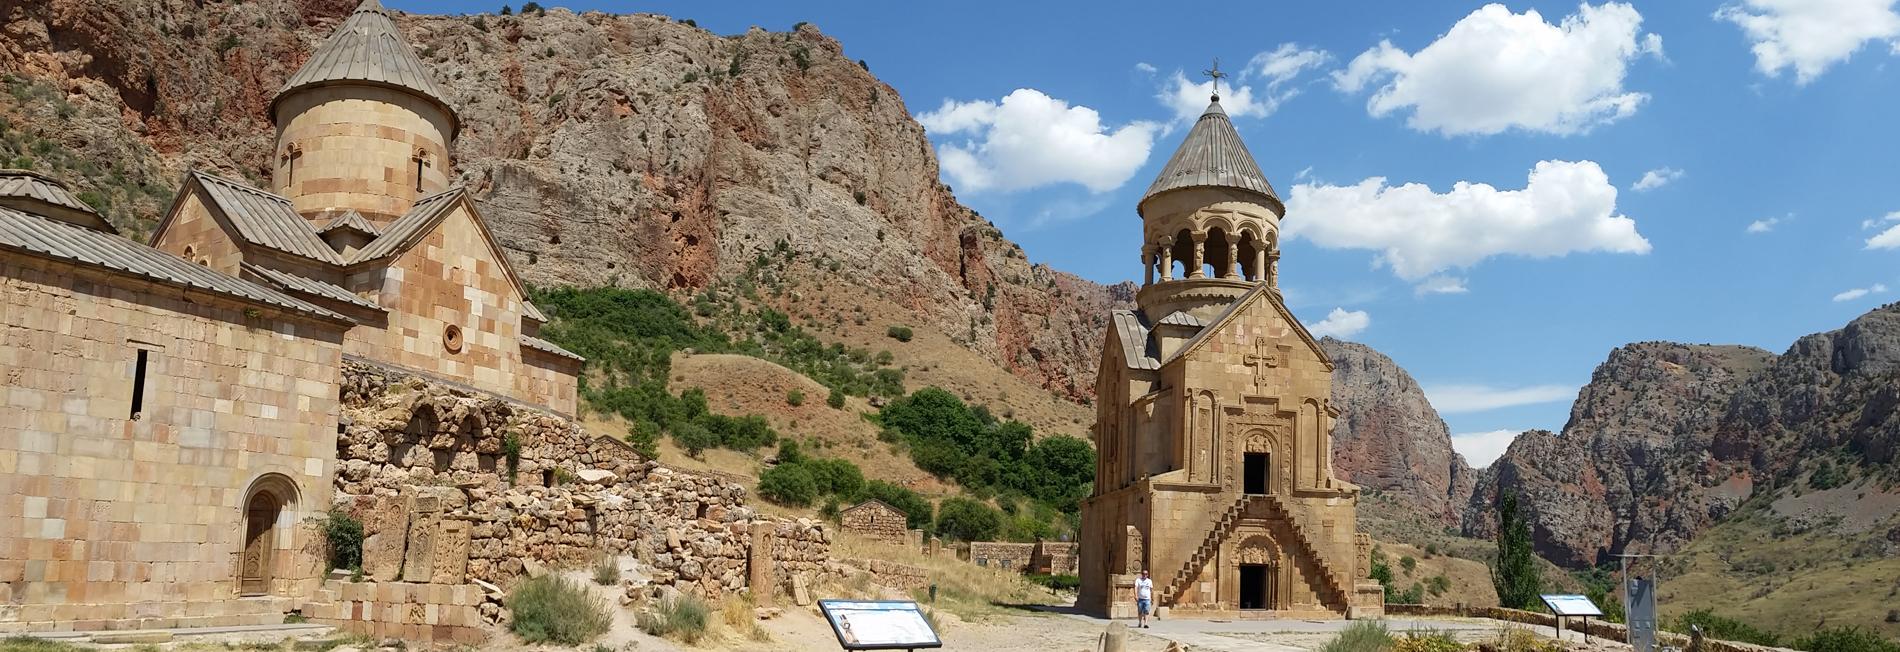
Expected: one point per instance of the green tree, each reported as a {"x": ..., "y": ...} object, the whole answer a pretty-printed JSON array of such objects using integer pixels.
[
  {"x": 788, "y": 484},
  {"x": 917, "y": 511},
  {"x": 1514, "y": 574},
  {"x": 964, "y": 519},
  {"x": 836, "y": 399}
]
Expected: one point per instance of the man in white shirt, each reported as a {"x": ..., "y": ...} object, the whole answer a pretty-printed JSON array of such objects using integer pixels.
[{"x": 1144, "y": 598}]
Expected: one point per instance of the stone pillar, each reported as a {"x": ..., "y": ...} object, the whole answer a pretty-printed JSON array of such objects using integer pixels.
[
  {"x": 1233, "y": 261},
  {"x": 425, "y": 512},
  {"x": 1200, "y": 257},
  {"x": 1259, "y": 263},
  {"x": 1167, "y": 258},
  {"x": 1273, "y": 269},
  {"x": 759, "y": 565},
  {"x": 1147, "y": 266}
]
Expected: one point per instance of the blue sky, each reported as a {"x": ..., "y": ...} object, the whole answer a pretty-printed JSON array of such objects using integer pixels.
[{"x": 1771, "y": 209}]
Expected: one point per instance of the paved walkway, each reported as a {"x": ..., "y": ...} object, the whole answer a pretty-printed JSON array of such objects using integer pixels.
[{"x": 1300, "y": 635}]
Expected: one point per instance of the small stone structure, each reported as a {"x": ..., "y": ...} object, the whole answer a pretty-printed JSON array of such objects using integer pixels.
[
  {"x": 876, "y": 519},
  {"x": 1044, "y": 557},
  {"x": 902, "y": 576},
  {"x": 1052, "y": 558}
]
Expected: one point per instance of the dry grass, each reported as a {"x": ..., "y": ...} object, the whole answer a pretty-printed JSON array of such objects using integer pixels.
[{"x": 968, "y": 591}]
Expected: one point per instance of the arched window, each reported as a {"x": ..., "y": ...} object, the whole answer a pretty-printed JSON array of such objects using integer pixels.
[{"x": 1218, "y": 255}]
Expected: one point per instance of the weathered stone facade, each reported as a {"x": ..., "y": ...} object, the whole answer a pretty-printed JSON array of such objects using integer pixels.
[
  {"x": 1004, "y": 555},
  {"x": 1214, "y": 416},
  {"x": 876, "y": 519}
]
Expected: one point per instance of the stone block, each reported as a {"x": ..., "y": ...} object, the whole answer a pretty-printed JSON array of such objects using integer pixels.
[
  {"x": 425, "y": 514},
  {"x": 450, "y": 559},
  {"x": 385, "y": 535}
]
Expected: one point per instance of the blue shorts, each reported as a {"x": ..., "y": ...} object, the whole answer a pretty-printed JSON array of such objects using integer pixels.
[{"x": 1141, "y": 606}]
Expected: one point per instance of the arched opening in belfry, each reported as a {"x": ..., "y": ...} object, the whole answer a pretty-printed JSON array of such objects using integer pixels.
[
  {"x": 1250, "y": 250},
  {"x": 270, "y": 499},
  {"x": 1183, "y": 253},
  {"x": 1219, "y": 258}
]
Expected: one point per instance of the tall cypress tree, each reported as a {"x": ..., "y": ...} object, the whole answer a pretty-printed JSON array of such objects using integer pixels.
[{"x": 1515, "y": 574}]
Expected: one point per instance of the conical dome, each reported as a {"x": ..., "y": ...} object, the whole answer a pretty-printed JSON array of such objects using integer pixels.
[
  {"x": 367, "y": 49},
  {"x": 1212, "y": 155}
]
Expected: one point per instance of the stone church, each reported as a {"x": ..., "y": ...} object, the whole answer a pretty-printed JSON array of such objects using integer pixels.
[
  {"x": 171, "y": 411},
  {"x": 1213, "y": 426}
]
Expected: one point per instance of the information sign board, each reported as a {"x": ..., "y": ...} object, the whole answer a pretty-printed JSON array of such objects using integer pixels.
[
  {"x": 879, "y": 624},
  {"x": 1571, "y": 605}
]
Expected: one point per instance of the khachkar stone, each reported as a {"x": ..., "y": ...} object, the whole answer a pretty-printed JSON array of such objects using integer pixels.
[
  {"x": 450, "y": 558},
  {"x": 425, "y": 513},
  {"x": 1214, "y": 415},
  {"x": 385, "y": 521},
  {"x": 759, "y": 564}
]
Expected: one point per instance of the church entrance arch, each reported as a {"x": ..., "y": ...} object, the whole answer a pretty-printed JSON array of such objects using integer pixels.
[{"x": 265, "y": 506}]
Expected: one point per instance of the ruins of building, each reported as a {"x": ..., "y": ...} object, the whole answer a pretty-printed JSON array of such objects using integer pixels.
[
  {"x": 875, "y": 519},
  {"x": 1213, "y": 426}
]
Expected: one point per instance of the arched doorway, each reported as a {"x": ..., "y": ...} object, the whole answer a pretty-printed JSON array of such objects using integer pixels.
[
  {"x": 1258, "y": 569},
  {"x": 265, "y": 506}
]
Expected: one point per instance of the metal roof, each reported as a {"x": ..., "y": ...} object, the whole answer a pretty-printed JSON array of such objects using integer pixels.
[
  {"x": 33, "y": 187},
  {"x": 1212, "y": 155},
  {"x": 1134, "y": 339},
  {"x": 528, "y": 309},
  {"x": 367, "y": 48},
  {"x": 354, "y": 221},
  {"x": 266, "y": 219},
  {"x": 539, "y": 344},
  {"x": 54, "y": 239},
  {"x": 1179, "y": 318},
  {"x": 420, "y": 216},
  {"x": 309, "y": 286}
]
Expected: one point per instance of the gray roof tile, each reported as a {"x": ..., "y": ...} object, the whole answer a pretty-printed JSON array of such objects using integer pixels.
[
  {"x": 539, "y": 344},
  {"x": 368, "y": 48},
  {"x": 309, "y": 286},
  {"x": 530, "y": 311},
  {"x": 17, "y": 186},
  {"x": 350, "y": 219},
  {"x": 1179, "y": 318},
  {"x": 412, "y": 224},
  {"x": 1134, "y": 339},
  {"x": 266, "y": 219},
  {"x": 54, "y": 239},
  {"x": 1212, "y": 155}
]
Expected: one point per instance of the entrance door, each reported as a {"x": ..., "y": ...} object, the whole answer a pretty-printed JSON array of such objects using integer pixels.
[
  {"x": 1253, "y": 586},
  {"x": 260, "y": 519},
  {"x": 1256, "y": 473}
]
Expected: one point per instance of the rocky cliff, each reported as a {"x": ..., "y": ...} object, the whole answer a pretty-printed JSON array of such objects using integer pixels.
[
  {"x": 1667, "y": 438},
  {"x": 1389, "y": 439},
  {"x": 604, "y": 149}
]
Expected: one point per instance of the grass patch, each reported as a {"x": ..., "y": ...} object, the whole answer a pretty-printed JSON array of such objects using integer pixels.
[
  {"x": 607, "y": 571},
  {"x": 738, "y": 616},
  {"x": 32, "y": 644},
  {"x": 1361, "y": 636},
  {"x": 551, "y": 610},
  {"x": 682, "y": 618}
]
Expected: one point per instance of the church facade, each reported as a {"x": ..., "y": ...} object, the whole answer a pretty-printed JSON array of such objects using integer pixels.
[
  {"x": 1214, "y": 418},
  {"x": 171, "y": 413}
]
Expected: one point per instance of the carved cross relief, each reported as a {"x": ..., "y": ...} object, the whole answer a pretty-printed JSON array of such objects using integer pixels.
[{"x": 1263, "y": 359}]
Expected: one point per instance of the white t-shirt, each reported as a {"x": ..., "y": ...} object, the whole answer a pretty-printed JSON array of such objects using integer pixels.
[{"x": 1144, "y": 588}]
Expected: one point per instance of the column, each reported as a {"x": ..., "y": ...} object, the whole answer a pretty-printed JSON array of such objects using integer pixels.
[
  {"x": 1167, "y": 258},
  {"x": 1273, "y": 269},
  {"x": 1200, "y": 256},
  {"x": 1233, "y": 261},
  {"x": 1147, "y": 266},
  {"x": 1259, "y": 263}
]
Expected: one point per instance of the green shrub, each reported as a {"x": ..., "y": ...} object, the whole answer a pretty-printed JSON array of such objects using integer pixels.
[
  {"x": 1360, "y": 636},
  {"x": 1429, "y": 640},
  {"x": 511, "y": 451},
  {"x": 835, "y": 399},
  {"x": 794, "y": 398},
  {"x": 606, "y": 571},
  {"x": 548, "y": 609},
  {"x": 1408, "y": 563},
  {"x": 1847, "y": 639},
  {"x": 836, "y": 476},
  {"x": 1057, "y": 582},
  {"x": 1727, "y": 629},
  {"x": 788, "y": 484},
  {"x": 899, "y": 333},
  {"x": 682, "y": 618},
  {"x": 694, "y": 438},
  {"x": 343, "y": 535},
  {"x": 789, "y": 453},
  {"x": 964, "y": 519},
  {"x": 644, "y": 436}
]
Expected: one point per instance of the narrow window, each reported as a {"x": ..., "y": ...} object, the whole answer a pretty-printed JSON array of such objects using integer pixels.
[{"x": 138, "y": 385}]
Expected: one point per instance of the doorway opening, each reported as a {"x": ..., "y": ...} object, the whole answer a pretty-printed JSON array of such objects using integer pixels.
[
  {"x": 1255, "y": 475},
  {"x": 260, "y": 530},
  {"x": 1253, "y": 586}
]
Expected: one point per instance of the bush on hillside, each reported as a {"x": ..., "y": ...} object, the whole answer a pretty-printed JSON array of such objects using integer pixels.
[
  {"x": 549, "y": 609},
  {"x": 788, "y": 484},
  {"x": 1847, "y": 639},
  {"x": 964, "y": 519},
  {"x": 899, "y": 333},
  {"x": 794, "y": 398},
  {"x": 835, "y": 399},
  {"x": 1727, "y": 629},
  {"x": 954, "y": 441}
]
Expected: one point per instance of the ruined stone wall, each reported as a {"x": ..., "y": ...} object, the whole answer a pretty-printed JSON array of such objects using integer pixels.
[
  {"x": 1053, "y": 558},
  {"x": 876, "y": 520},
  {"x": 426, "y": 467},
  {"x": 1006, "y": 556}
]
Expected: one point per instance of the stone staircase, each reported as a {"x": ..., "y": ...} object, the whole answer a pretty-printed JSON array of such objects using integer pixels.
[{"x": 1332, "y": 592}]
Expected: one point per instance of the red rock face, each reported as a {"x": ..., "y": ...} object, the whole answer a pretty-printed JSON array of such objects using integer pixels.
[
  {"x": 1389, "y": 439},
  {"x": 628, "y": 150}
]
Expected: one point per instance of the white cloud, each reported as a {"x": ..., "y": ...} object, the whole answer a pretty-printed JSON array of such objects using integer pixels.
[
  {"x": 1440, "y": 284},
  {"x": 1888, "y": 239},
  {"x": 1762, "y": 225},
  {"x": 1483, "y": 448},
  {"x": 1304, "y": 173},
  {"x": 1276, "y": 69},
  {"x": 1456, "y": 399},
  {"x": 1857, "y": 293},
  {"x": 1809, "y": 36},
  {"x": 1495, "y": 70},
  {"x": 1341, "y": 324},
  {"x": 1656, "y": 178},
  {"x": 1030, "y": 139},
  {"x": 1564, "y": 207},
  {"x": 1145, "y": 67}
]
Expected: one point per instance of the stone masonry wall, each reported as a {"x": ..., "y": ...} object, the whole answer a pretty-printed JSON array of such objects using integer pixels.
[
  {"x": 876, "y": 520},
  {"x": 1007, "y": 556}
]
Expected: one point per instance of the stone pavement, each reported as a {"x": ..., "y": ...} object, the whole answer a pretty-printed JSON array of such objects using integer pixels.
[{"x": 1303, "y": 635}]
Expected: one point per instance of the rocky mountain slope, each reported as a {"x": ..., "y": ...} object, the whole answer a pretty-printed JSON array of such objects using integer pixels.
[
  {"x": 1668, "y": 439},
  {"x": 604, "y": 149},
  {"x": 1389, "y": 439}
]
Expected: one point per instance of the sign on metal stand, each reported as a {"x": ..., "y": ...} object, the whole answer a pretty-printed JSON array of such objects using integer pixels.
[
  {"x": 1571, "y": 606},
  {"x": 879, "y": 624},
  {"x": 1639, "y": 600}
]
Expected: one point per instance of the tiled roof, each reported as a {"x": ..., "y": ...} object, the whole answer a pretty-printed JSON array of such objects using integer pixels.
[
  {"x": 1179, "y": 318},
  {"x": 545, "y": 346},
  {"x": 354, "y": 221},
  {"x": 1212, "y": 155},
  {"x": 16, "y": 185},
  {"x": 309, "y": 286},
  {"x": 49, "y": 238},
  {"x": 368, "y": 48},
  {"x": 528, "y": 309},
  {"x": 266, "y": 219},
  {"x": 1134, "y": 339},
  {"x": 412, "y": 224}
]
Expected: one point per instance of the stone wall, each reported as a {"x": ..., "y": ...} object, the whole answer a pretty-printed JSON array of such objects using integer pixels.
[
  {"x": 425, "y": 466},
  {"x": 1051, "y": 558},
  {"x": 893, "y": 574},
  {"x": 416, "y": 612},
  {"x": 355, "y": 147},
  {"x": 111, "y": 521},
  {"x": 875, "y": 519},
  {"x": 1006, "y": 556}
]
